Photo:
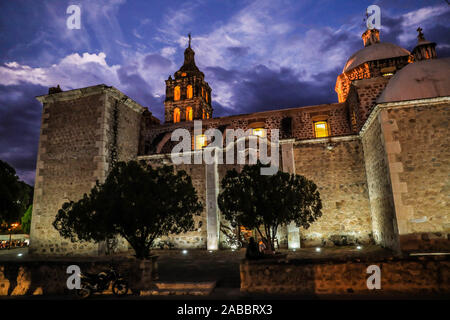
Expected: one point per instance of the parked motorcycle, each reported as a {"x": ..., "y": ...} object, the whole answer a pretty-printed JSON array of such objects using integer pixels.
[{"x": 91, "y": 283}]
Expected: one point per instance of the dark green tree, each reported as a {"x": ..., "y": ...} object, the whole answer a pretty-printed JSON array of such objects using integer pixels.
[
  {"x": 265, "y": 202},
  {"x": 26, "y": 220},
  {"x": 15, "y": 195},
  {"x": 137, "y": 202}
]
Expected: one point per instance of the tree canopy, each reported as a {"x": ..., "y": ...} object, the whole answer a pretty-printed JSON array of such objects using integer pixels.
[
  {"x": 15, "y": 195},
  {"x": 264, "y": 202},
  {"x": 136, "y": 201}
]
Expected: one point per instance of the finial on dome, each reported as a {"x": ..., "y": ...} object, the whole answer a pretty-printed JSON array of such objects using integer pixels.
[
  {"x": 420, "y": 36},
  {"x": 189, "y": 35}
]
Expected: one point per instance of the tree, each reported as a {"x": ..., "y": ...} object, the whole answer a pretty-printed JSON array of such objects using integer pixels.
[
  {"x": 15, "y": 195},
  {"x": 137, "y": 202},
  {"x": 264, "y": 202},
  {"x": 26, "y": 220}
]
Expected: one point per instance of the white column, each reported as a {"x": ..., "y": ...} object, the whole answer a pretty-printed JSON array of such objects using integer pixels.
[
  {"x": 212, "y": 210},
  {"x": 287, "y": 154}
]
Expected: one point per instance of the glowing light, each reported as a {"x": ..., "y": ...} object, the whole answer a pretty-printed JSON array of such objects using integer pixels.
[
  {"x": 200, "y": 141},
  {"x": 19, "y": 255},
  {"x": 260, "y": 132},
  {"x": 184, "y": 251},
  {"x": 321, "y": 129},
  {"x": 318, "y": 249},
  {"x": 359, "y": 247},
  {"x": 176, "y": 93}
]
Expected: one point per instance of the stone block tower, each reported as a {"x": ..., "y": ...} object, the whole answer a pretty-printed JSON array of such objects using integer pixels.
[
  {"x": 83, "y": 132},
  {"x": 188, "y": 95}
]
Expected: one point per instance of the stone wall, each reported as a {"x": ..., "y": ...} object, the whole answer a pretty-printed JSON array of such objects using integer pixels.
[
  {"x": 78, "y": 132},
  {"x": 419, "y": 153},
  {"x": 413, "y": 276},
  {"x": 336, "y": 165},
  {"x": 50, "y": 277},
  {"x": 382, "y": 208}
]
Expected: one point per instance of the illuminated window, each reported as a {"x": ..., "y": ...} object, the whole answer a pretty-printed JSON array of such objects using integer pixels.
[
  {"x": 176, "y": 93},
  {"x": 206, "y": 96},
  {"x": 260, "y": 132},
  {"x": 207, "y": 115},
  {"x": 176, "y": 115},
  {"x": 321, "y": 129},
  {"x": 190, "y": 92},
  {"x": 388, "y": 74},
  {"x": 183, "y": 74},
  {"x": 189, "y": 114},
  {"x": 203, "y": 92},
  {"x": 200, "y": 141},
  {"x": 204, "y": 114}
]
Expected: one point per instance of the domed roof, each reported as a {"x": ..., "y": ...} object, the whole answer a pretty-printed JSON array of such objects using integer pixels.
[
  {"x": 376, "y": 51},
  {"x": 419, "y": 80}
]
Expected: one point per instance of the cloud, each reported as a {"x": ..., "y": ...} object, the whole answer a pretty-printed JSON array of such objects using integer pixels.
[{"x": 20, "y": 115}]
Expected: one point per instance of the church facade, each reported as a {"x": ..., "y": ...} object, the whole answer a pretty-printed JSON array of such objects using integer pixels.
[{"x": 380, "y": 156}]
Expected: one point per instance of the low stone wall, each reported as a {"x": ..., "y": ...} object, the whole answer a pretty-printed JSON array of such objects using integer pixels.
[
  {"x": 50, "y": 277},
  {"x": 410, "y": 276}
]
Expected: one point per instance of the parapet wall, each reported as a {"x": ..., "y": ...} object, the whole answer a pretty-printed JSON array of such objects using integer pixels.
[{"x": 413, "y": 276}]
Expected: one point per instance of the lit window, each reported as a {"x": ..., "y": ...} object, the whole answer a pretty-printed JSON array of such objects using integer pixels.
[
  {"x": 260, "y": 132},
  {"x": 189, "y": 92},
  {"x": 206, "y": 96},
  {"x": 321, "y": 129},
  {"x": 204, "y": 114},
  {"x": 176, "y": 93},
  {"x": 189, "y": 114},
  {"x": 176, "y": 115},
  {"x": 388, "y": 74},
  {"x": 207, "y": 115},
  {"x": 183, "y": 74},
  {"x": 200, "y": 141}
]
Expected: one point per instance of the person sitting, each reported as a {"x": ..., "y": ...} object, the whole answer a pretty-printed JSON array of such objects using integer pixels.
[{"x": 252, "y": 250}]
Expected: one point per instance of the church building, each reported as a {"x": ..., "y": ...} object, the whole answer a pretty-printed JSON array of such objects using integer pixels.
[{"x": 380, "y": 155}]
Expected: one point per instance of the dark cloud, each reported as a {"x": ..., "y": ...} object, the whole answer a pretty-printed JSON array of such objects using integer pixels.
[
  {"x": 134, "y": 86},
  {"x": 238, "y": 51},
  {"x": 261, "y": 89},
  {"x": 157, "y": 60},
  {"x": 20, "y": 115}
]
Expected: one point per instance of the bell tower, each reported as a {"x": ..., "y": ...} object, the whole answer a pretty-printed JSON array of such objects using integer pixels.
[{"x": 188, "y": 95}]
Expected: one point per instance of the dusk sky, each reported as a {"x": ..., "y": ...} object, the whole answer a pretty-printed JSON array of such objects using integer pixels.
[{"x": 256, "y": 55}]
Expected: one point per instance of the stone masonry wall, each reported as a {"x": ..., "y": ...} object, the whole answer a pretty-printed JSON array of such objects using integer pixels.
[
  {"x": 379, "y": 185},
  {"x": 412, "y": 276},
  {"x": 79, "y": 130},
  {"x": 66, "y": 167},
  {"x": 420, "y": 166},
  {"x": 337, "y": 167}
]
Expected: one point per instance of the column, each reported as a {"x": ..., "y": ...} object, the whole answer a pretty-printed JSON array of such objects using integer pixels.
[{"x": 287, "y": 155}]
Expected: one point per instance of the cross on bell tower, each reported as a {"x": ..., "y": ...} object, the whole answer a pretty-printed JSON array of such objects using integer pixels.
[{"x": 188, "y": 95}]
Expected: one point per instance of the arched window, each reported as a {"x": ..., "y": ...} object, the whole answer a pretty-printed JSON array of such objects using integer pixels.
[
  {"x": 203, "y": 92},
  {"x": 189, "y": 114},
  {"x": 204, "y": 114},
  {"x": 176, "y": 115},
  {"x": 176, "y": 93},
  {"x": 190, "y": 92},
  {"x": 206, "y": 96}
]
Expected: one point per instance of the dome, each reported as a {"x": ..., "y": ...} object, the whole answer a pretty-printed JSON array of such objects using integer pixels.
[
  {"x": 376, "y": 51},
  {"x": 419, "y": 80}
]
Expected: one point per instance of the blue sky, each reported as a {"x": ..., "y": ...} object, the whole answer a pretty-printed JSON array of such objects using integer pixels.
[{"x": 256, "y": 55}]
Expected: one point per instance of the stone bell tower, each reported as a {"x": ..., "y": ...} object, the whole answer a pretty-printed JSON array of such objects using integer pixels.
[{"x": 188, "y": 95}]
